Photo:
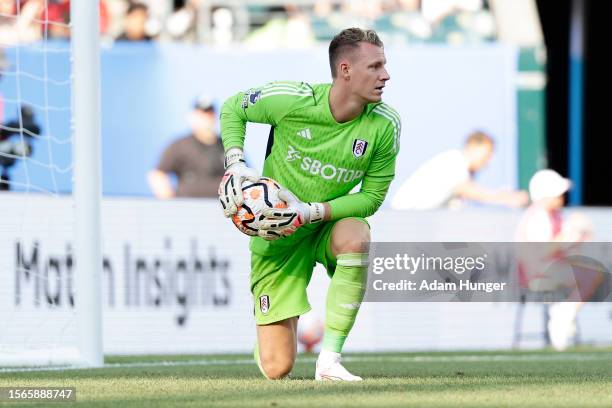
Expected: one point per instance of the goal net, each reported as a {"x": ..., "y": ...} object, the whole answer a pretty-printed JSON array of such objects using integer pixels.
[{"x": 49, "y": 186}]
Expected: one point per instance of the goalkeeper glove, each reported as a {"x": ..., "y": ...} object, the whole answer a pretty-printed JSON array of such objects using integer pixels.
[
  {"x": 230, "y": 189},
  {"x": 281, "y": 222}
]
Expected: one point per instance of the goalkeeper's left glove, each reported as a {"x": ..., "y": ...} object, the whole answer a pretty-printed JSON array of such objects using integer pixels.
[
  {"x": 281, "y": 222},
  {"x": 230, "y": 189}
]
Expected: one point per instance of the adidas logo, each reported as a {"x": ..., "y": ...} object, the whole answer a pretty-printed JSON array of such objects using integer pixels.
[{"x": 305, "y": 133}]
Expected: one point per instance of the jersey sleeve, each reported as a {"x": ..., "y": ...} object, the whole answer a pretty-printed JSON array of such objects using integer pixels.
[
  {"x": 376, "y": 180},
  {"x": 267, "y": 104}
]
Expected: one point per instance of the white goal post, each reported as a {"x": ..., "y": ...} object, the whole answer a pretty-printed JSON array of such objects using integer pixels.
[
  {"x": 87, "y": 187},
  {"x": 41, "y": 292}
]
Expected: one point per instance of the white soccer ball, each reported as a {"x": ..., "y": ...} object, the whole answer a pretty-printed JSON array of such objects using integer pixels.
[
  {"x": 310, "y": 331},
  {"x": 258, "y": 196}
]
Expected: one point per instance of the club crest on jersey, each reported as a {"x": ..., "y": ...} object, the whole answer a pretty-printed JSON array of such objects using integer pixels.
[
  {"x": 251, "y": 97},
  {"x": 264, "y": 304},
  {"x": 359, "y": 147},
  {"x": 254, "y": 97}
]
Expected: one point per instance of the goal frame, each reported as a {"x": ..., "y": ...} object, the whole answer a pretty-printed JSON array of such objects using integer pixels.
[{"x": 86, "y": 112}]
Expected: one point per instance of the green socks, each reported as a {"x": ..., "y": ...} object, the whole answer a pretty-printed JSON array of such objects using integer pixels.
[{"x": 344, "y": 298}]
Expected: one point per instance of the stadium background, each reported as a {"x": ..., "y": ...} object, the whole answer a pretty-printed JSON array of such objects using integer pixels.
[{"x": 493, "y": 85}]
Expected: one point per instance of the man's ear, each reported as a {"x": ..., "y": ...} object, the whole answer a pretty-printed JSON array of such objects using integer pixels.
[{"x": 344, "y": 69}]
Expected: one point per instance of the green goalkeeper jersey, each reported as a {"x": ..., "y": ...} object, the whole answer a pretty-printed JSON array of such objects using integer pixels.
[{"x": 312, "y": 155}]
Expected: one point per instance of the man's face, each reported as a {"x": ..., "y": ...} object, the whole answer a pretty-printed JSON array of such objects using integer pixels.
[
  {"x": 135, "y": 22},
  {"x": 203, "y": 122},
  {"x": 553, "y": 203},
  {"x": 479, "y": 155},
  {"x": 367, "y": 73}
]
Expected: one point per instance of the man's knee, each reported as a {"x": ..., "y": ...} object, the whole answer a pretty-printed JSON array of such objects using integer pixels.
[
  {"x": 350, "y": 235},
  {"x": 277, "y": 347},
  {"x": 276, "y": 367}
]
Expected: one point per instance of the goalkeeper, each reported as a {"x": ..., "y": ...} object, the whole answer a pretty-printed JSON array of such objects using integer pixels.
[{"x": 325, "y": 139}]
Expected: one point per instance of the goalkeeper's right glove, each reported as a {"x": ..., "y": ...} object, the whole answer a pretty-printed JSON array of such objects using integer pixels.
[
  {"x": 282, "y": 222},
  {"x": 230, "y": 189}
]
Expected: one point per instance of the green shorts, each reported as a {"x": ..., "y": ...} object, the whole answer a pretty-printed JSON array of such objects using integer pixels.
[{"x": 279, "y": 281}]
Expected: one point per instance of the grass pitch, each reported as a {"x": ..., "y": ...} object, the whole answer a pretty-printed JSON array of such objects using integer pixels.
[{"x": 578, "y": 378}]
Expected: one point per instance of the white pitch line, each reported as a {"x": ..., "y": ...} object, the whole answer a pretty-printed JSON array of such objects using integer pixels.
[
  {"x": 351, "y": 359},
  {"x": 486, "y": 358}
]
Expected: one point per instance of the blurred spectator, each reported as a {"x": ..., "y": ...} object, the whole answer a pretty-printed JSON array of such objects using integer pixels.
[
  {"x": 447, "y": 179},
  {"x": 543, "y": 222},
  {"x": 459, "y": 21},
  {"x": 18, "y": 21},
  {"x": 223, "y": 24},
  {"x": 16, "y": 138},
  {"x": 57, "y": 18},
  {"x": 409, "y": 5},
  {"x": 398, "y": 21},
  {"x": 294, "y": 31},
  {"x": 403, "y": 22},
  {"x": 181, "y": 25},
  {"x": 327, "y": 20},
  {"x": 323, "y": 8},
  {"x": 135, "y": 23},
  {"x": 436, "y": 10},
  {"x": 362, "y": 11},
  {"x": 4, "y": 66},
  {"x": 196, "y": 160}
]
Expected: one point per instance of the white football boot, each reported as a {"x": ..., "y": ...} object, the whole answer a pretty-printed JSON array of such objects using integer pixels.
[
  {"x": 330, "y": 369},
  {"x": 562, "y": 324}
]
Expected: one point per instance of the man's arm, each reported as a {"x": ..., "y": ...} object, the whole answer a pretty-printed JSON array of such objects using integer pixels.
[
  {"x": 374, "y": 186},
  {"x": 362, "y": 204},
  {"x": 266, "y": 104},
  {"x": 473, "y": 191},
  {"x": 159, "y": 178},
  {"x": 160, "y": 184}
]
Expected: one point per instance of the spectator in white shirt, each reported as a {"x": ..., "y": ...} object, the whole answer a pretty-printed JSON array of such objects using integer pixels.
[
  {"x": 446, "y": 180},
  {"x": 543, "y": 222}
]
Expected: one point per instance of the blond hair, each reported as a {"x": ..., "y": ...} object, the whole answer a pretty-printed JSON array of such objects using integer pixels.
[{"x": 348, "y": 41}]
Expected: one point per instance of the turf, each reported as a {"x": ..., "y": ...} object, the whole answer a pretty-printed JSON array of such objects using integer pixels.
[{"x": 579, "y": 378}]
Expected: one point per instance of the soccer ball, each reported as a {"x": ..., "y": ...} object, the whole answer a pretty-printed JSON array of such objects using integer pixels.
[
  {"x": 258, "y": 196},
  {"x": 310, "y": 331}
]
